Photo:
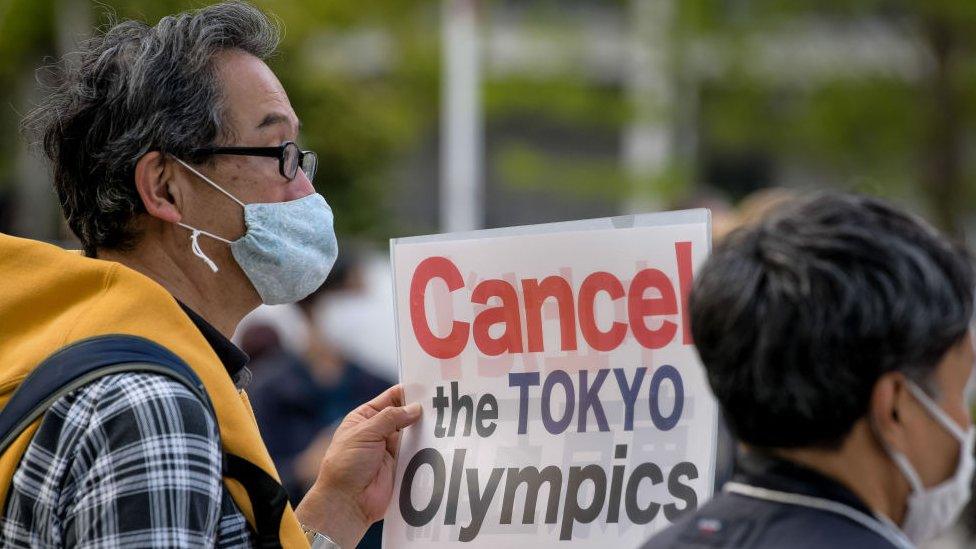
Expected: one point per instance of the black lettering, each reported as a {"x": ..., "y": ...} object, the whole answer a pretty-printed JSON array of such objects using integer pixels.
[
  {"x": 681, "y": 491},
  {"x": 533, "y": 479},
  {"x": 454, "y": 486},
  {"x": 616, "y": 485},
  {"x": 412, "y": 516},
  {"x": 487, "y": 410},
  {"x": 572, "y": 512},
  {"x": 634, "y": 512},
  {"x": 479, "y": 503},
  {"x": 465, "y": 402}
]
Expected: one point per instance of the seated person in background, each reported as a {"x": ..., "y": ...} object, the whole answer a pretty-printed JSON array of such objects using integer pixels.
[{"x": 836, "y": 338}]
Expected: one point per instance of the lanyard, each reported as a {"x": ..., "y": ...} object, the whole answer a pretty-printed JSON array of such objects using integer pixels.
[{"x": 885, "y": 529}]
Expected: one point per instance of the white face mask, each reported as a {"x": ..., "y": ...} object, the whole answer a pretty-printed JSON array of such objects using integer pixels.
[
  {"x": 288, "y": 249},
  {"x": 931, "y": 511}
]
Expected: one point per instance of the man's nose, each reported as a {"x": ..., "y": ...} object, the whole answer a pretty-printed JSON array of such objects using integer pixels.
[{"x": 300, "y": 186}]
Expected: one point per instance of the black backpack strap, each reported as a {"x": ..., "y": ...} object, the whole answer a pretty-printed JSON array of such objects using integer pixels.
[
  {"x": 268, "y": 498},
  {"x": 83, "y": 362}
]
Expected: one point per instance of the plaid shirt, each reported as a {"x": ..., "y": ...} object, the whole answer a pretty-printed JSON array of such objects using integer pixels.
[
  {"x": 128, "y": 460},
  {"x": 131, "y": 460}
]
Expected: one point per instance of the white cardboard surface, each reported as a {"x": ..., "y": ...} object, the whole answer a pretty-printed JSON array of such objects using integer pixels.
[{"x": 670, "y": 458}]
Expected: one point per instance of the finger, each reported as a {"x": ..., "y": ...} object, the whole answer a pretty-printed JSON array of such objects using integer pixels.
[
  {"x": 392, "y": 419},
  {"x": 393, "y": 443},
  {"x": 390, "y": 397}
]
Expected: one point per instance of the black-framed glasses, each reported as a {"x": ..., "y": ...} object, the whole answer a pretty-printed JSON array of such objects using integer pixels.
[{"x": 289, "y": 156}]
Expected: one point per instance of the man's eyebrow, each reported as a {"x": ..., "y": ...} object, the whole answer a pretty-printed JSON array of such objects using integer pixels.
[{"x": 273, "y": 118}]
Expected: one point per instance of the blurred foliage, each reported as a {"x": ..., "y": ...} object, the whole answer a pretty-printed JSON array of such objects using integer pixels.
[
  {"x": 524, "y": 166},
  {"x": 356, "y": 123},
  {"x": 24, "y": 37},
  {"x": 360, "y": 120},
  {"x": 905, "y": 137},
  {"x": 571, "y": 101},
  {"x": 875, "y": 131}
]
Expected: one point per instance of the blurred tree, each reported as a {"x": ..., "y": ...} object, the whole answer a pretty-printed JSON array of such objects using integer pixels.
[
  {"x": 27, "y": 32},
  {"x": 876, "y": 94},
  {"x": 361, "y": 95}
]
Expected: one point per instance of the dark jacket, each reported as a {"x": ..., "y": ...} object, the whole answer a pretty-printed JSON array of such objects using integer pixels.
[
  {"x": 292, "y": 408},
  {"x": 735, "y": 520}
]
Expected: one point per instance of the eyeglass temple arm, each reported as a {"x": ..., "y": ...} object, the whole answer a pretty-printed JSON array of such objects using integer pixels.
[{"x": 272, "y": 152}]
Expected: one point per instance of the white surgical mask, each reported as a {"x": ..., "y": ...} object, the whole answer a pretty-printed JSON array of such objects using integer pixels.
[
  {"x": 287, "y": 250},
  {"x": 931, "y": 511}
]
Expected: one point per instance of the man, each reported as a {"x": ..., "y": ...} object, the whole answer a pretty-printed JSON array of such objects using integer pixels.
[
  {"x": 175, "y": 164},
  {"x": 836, "y": 337}
]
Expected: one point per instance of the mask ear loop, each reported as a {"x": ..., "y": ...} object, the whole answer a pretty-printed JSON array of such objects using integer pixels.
[
  {"x": 212, "y": 184},
  {"x": 195, "y": 234},
  {"x": 937, "y": 412},
  {"x": 907, "y": 470},
  {"x": 900, "y": 460},
  {"x": 195, "y": 245}
]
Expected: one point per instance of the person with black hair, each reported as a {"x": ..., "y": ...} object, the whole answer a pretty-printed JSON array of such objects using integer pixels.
[{"x": 836, "y": 338}]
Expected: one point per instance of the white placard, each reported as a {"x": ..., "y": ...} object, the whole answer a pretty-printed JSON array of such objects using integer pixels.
[{"x": 563, "y": 402}]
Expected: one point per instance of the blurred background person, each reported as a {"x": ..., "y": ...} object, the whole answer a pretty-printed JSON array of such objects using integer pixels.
[
  {"x": 296, "y": 364},
  {"x": 302, "y": 384}
]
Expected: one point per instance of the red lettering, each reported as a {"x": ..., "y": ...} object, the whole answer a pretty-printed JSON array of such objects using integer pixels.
[
  {"x": 662, "y": 302},
  {"x": 594, "y": 284},
  {"x": 535, "y": 294},
  {"x": 437, "y": 347},
  {"x": 507, "y": 313},
  {"x": 639, "y": 308},
  {"x": 682, "y": 254}
]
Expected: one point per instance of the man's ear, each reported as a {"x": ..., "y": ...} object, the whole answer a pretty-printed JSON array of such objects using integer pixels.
[
  {"x": 888, "y": 399},
  {"x": 154, "y": 183}
]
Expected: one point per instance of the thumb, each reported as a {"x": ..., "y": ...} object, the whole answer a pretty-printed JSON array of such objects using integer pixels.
[{"x": 393, "y": 418}]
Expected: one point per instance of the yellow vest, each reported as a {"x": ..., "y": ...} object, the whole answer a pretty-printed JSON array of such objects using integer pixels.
[{"x": 50, "y": 298}]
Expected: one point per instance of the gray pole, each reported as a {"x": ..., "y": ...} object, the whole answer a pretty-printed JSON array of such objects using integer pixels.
[
  {"x": 461, "y": 191},
  {"x": 648, "y": 140}
]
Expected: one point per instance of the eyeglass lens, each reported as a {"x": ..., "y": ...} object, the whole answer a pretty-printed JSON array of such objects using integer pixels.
[
  {"x": 293, "y": 157},
  {"x": 310, "y": 163}
]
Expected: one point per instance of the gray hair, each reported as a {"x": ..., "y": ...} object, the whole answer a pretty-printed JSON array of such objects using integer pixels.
[{"x": 138, "y": 89}]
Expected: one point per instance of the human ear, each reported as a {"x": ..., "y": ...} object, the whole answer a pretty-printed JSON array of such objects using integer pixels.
[
  {"x": 155, "y": 186},
  {"x": 886, "y": 409}
]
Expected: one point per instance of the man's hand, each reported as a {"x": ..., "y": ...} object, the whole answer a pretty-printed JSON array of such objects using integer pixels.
[{"x": 355, "y": 481}]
